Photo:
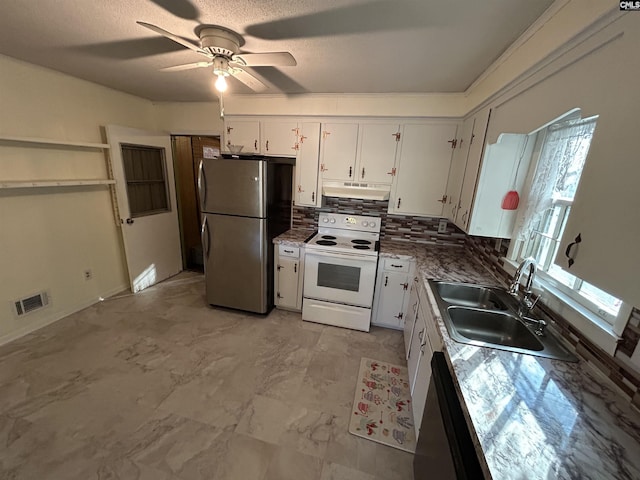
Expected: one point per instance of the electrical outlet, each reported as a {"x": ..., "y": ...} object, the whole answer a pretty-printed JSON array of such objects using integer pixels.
[
  {"x": 88, "y": 274},
  {"x": 442, "y": 226}
]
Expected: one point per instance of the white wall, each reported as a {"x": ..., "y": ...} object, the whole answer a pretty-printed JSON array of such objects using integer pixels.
[
  {"x": 192, "y": 118},
  {"x": 49, "y": 237},
  {"x": 383, "y": 105}
]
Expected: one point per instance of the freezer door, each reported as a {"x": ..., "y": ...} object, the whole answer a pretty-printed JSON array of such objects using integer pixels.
[
  {"x": 232, "y": 187},
  {"x": 236, "y": 262}
]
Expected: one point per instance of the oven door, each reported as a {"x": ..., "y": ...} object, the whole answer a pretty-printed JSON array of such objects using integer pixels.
[{"x": 340, "y": 277}]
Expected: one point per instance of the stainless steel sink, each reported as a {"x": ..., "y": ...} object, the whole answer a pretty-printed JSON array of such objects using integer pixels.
[
  {"x": 488, "y": 317},
  {"x": 470, "y": 296},
  {"x": 498, "y": 328}
]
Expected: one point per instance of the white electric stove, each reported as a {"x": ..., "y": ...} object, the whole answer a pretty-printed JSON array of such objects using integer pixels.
[{"x": 340, "y": 270}]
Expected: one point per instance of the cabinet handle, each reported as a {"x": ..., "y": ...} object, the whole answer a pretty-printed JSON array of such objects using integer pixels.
[
  {"x": 362, "y": 172},
  {"x": 295, "y": 268},
  {"x": 443, "y": 200},
  {"x": 405, "y": 285},
  {"x": 386, "y": 280},
  {"x": 302, "y": 138},
  {"x": 399, "y": 200},
  {"x": 567, "y": 252},
  {"x": 229, "y": 130},
  {"x": 392, "y": 172},
  {"x": 350, "y": 171},
  {"x": 300, "y": 190},
  {"x": 396, "y": 266},
  {"x": 267, "y": 145},
  {"x": 288, "y": 251},
  {"x": 399, "y": 316},
  {"x": 397, "y": 135},
  {"x": 313, "y": 197},
  {"x": 464, "y": 216},
  {"x": 323, "y": 168},
  {"x": 279, "y": 267},
  {"x": 420, "y": 335},
  {"x": 255, "y": 145}
]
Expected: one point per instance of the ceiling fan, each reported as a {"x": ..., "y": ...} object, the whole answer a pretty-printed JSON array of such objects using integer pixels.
[{"x": 221, "y": 47}]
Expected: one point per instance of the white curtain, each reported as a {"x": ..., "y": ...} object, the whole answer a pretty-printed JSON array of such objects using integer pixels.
[{"x": 558, "y": 170}]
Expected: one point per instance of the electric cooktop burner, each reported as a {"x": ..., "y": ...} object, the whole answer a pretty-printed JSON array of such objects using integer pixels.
[
  {"x": 328, "y": 237},
  {"x": 326, "y": 242},
  {"x": 361, "y": 242},
  {"x": 362, "y": 247}
]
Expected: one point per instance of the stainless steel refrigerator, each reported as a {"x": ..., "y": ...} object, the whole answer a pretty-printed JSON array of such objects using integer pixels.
[{"x": 245, "y": 203}]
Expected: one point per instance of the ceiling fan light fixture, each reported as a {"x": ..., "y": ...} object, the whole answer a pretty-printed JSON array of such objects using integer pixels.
[{"x": 221, "y": 83}]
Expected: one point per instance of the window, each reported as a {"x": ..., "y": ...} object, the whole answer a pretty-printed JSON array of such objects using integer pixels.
[
  {"x": 144, "y": 170},
  {"x": 563, "y": 151}
]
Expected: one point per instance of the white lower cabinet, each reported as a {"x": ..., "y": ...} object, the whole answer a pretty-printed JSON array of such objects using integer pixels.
[
  {"x": 392, "y": 293},
  {"x": 289, "y": 263},
  {"x": 423, "y": 342},
  {"x": 412, "y": 313}
]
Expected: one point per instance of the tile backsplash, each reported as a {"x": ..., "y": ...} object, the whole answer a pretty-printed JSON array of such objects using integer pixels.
[
  {"x": 618, "y": 368},
  {"x": 393, "y": 227}
]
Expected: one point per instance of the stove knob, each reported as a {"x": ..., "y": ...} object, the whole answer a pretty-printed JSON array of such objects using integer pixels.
[
  {"x": 372, "y": 224},
  {"x": 365, "y": 224},
  {"x": 333, "y": 220},
  {"x": 325, "y": 220}
]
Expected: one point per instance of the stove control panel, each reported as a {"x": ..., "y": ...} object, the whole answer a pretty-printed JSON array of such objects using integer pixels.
[{"x": 360, "y": 223}]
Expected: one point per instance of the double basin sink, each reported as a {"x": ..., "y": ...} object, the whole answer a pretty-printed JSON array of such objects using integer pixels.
[{"x": 487, "y": 317}]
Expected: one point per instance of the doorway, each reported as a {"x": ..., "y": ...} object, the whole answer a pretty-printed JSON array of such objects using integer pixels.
[{"x": 189, "y": 151}]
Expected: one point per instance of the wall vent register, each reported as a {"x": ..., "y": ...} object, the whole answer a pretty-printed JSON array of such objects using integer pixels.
[{"x": 31, "y": 303}]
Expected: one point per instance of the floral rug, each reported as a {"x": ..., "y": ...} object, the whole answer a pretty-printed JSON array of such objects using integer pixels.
[{"x": 382, "y": 405}]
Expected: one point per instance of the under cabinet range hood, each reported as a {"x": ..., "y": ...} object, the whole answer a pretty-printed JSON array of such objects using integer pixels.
[{"x": 364, "y": 191}]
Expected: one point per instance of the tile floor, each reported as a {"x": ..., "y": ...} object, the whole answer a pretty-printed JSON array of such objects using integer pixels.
[{"x": 159, "y": 386}]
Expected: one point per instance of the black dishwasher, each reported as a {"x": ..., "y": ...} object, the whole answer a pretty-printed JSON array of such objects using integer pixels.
[{"x": 445, "y": 449}]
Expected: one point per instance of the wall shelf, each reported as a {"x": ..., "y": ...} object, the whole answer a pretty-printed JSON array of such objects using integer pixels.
[
  {"x": 54, "y": 183},
  {"x": 49, "y": 141}
]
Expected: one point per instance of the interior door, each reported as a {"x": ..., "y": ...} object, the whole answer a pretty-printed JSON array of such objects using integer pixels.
[{"x": 142, "y": 166}]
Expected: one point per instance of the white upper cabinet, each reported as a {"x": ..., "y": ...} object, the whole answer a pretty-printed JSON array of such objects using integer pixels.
[
  {"x": 457, "y": 170},
  {"x": 472, "y": 167},
  {"x": 422, "y": 169},
  {"x": 377, "y": 145},
  {"x": 504, "y": 168},
  {"x": 338, "y": 151},
  {"x": 280, "y": 138},
  {"x": 306, "y": 188},
  {"x": 242, "y": 132}
]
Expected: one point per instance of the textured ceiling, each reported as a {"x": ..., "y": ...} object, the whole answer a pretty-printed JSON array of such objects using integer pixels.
[{"x": 341, "y": 46}]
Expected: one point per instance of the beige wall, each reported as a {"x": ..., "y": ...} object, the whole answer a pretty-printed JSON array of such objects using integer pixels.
[
  {"x": 193, "y": 118},
  {"x": 48, "y": 237}
]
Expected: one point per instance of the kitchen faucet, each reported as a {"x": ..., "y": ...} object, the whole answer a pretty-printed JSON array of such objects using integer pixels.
[{"x": 526, "y": 304}]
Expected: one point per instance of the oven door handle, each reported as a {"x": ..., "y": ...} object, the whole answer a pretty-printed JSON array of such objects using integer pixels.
[{"x": 348, "y": 256}]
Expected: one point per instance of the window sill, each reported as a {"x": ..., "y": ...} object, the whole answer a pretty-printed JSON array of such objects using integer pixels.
[{"x": 589, "y": 324}]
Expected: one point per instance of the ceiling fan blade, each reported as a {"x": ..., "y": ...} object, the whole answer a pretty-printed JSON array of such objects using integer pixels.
[
  {"x": 173, "y": 37},
  {"x": 271, "y": 59},
  {"x": 180, "y": 8},
  {"x": 187, "y": 66},
  {"x": 378, "y": 15},
  {"x": 249, "y": 80}
]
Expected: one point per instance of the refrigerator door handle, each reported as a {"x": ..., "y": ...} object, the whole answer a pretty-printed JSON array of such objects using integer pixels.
[
  {"x": 206, "y": 237},
  {"x": 202, "y": 184}
]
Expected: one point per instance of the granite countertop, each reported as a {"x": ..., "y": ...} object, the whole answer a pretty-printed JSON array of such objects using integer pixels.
[
  {"x": 293, "y": 238},
  {"x": 531, "y": 417}
]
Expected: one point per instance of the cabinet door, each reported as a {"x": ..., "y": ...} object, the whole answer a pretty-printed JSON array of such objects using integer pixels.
[
  {"x": 393, "y": 287},
  {"x": 245, "y": 133},
  {"x": 307, "y": 166},
  {"x": 422, "y": 378},
  {"x": 410, "y": 317},
  {"x": 457, "y": 170},
  {"x": 418, "y": 339},
  {"x": 377, "y": 152},
  {"x": 280, "y": 138},
  {"x": 339, "y": 145},
  {"x": 423, "y": 168},
  {"x": 288, "y": 276},
  {"x": 476, "y": 147}
]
